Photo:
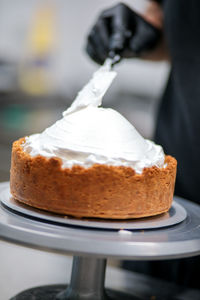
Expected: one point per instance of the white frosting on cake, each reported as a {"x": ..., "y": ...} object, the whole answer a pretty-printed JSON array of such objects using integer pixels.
[{"x": 89, "y": 134}]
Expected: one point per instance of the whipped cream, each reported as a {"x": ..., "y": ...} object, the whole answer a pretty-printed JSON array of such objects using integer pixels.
[{"x": 89, "y": 134}]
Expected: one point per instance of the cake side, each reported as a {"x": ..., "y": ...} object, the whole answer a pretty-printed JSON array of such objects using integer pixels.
[{"x": 100, "y": 191}]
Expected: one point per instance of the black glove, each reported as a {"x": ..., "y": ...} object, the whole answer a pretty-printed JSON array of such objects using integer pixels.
[{"x": 119, "y": 30}]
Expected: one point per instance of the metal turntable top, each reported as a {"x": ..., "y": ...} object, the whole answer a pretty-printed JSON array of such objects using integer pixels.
[{"x": 179, "y": 239}]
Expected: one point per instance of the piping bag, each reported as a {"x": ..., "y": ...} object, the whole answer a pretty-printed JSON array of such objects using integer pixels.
[{"x": 93, "y": 92}]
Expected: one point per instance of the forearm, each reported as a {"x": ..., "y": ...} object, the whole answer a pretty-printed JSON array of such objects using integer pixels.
[{"x": 154, "y": 15}]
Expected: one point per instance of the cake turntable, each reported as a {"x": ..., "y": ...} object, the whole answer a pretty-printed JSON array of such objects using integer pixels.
[{"x": 172, "y": 235}]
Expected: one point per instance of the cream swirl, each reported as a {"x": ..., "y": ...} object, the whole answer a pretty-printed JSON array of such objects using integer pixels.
[{"x": 88, "y": 134}]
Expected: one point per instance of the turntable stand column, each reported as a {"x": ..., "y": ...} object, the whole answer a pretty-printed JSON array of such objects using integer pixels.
[{"x": 87, "y": 280}]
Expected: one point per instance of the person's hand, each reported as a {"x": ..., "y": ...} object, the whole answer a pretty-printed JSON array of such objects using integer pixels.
[{"x": 119, "y": 30}]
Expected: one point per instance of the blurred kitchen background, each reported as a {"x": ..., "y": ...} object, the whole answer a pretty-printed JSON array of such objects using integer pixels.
[{"x": 42, "y": 67}]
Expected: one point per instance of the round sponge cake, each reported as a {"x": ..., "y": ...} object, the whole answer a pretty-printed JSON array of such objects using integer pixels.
[{"x": 100, "y": 191}]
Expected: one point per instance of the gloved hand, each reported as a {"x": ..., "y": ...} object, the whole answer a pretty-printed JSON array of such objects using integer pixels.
[{"x": 119, "y": 30}]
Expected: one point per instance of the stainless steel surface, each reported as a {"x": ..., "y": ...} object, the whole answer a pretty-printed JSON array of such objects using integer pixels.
[
  {"x": 176, "y": 214},
  {"x": 180, "y": 240}
]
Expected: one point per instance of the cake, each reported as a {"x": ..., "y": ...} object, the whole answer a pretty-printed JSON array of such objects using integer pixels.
[{"x": 92, "y": 163}]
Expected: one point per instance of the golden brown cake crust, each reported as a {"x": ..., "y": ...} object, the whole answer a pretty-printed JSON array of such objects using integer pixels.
[{"x": 100, "y": 191}]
